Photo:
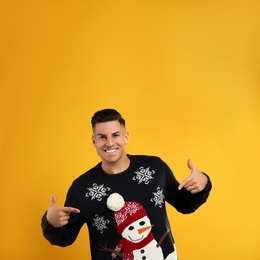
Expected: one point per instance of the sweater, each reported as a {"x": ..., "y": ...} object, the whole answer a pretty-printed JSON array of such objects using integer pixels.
[{"x": 140, "y": 228}]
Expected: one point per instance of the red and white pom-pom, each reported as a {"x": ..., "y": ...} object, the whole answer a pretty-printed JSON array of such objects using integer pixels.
[{"x": 115, "y": 202}]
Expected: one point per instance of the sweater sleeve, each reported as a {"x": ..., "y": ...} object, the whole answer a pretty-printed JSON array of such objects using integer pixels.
[
  {"x": 67, "y": 234},
  {"x": 63, "y": 236},
  {"x": 183, "y": 200}
]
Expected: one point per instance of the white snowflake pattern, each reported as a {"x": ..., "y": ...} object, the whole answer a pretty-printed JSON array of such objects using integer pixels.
[
  {"x": 120, "y": 218},
  {"x": 100, "y": 223},
  {"x": 129, "y": 209},
  {"x": 97, "y": 192},
  {"x": 158, "y": 198},
  {"x": 144, "y": 175}
]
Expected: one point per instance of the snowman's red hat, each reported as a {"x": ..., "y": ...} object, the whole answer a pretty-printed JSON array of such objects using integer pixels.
[{"x": 125, "y": 212}]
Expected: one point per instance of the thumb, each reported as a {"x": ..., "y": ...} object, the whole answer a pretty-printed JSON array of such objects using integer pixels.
[
  {"x": 53, "y": 200},
  {"x": 190, "y": 165}
]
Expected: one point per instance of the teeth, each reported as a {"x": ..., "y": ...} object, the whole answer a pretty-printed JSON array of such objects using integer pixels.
[{"x": 111, "y": 151}]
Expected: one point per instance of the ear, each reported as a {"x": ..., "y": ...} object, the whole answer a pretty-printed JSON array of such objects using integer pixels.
[
  {"x": 126, "y": 137},
  {"x": 93, "y": 140}
]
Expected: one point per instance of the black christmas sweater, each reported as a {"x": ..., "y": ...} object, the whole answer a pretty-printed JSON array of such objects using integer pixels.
[{"x": 126, "y": 212}]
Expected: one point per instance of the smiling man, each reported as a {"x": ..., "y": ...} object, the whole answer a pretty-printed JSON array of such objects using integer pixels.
[
  {"x": 122, "y": 199},
  {"x": 109, "y": 139}
]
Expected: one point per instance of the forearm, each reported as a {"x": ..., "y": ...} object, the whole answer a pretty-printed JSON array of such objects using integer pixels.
[
  {"x": 186, "y": 202},
  {"x": 62, "y": 236},
  {"x": 197, "y": 199}
]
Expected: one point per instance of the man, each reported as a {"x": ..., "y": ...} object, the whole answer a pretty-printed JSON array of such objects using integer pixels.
[{"x": 122, "y": 199}]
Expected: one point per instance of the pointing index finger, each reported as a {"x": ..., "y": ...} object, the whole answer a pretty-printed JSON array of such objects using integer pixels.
[
  {"x": 184, "y": 183},
  {"x": 181, "y": 185},
  {"x": 71, "y": 210}
]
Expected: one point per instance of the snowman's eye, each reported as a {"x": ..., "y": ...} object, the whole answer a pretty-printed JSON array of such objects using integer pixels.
[
  {"x": 142, "y": 223},
  {"x": 131, "y": 228}
]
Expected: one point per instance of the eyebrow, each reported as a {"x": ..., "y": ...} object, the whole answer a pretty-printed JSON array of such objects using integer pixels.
[{"x": 117, "y": 132}]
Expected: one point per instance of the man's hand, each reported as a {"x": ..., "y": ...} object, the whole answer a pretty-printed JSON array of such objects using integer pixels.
[
  {"x": 196, "y": 182},
  {"x": 59, "y": 216}
]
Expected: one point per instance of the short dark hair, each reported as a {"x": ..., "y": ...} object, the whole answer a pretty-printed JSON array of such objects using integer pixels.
[{"x": 106, "y": 115}]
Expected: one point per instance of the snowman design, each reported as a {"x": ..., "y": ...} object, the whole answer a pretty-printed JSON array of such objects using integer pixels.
[{"x": 135, "y": 227}]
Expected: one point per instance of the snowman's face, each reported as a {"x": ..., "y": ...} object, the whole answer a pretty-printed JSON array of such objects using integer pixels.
[{"x": 137, "y": 230}]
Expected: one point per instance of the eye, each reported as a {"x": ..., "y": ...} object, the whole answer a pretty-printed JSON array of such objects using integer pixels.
[
  {"x": 131, "y": 228},
  {"x": 142, "y": 223},
  {"x": 116, "y": 134}
]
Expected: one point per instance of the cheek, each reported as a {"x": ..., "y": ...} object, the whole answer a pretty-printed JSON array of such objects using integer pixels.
[{"x": 97, "y": 143}]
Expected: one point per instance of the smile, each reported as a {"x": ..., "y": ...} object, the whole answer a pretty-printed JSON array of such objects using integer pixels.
[
  {"x": 110, "y": 151},
  {"x": 135, "y": 240}
]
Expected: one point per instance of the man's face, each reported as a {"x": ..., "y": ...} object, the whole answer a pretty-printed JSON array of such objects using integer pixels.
[{"x": 109, "y": 139}]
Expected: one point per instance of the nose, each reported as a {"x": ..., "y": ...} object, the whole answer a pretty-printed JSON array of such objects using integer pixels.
[
  {"x": 109, "y": 141},
  {"x": 142, "y": 230}
]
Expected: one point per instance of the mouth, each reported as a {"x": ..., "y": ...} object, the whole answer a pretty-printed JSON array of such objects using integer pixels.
[
  {"x": 110, "y": 151},
  {"x": 135, "y": 240}
]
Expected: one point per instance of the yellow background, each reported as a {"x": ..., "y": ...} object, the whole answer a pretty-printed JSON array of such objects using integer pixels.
[{"x": 184, "y": 74}]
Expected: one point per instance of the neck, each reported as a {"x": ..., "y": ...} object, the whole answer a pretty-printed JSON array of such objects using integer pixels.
[{"x": 116, "y": 167}]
